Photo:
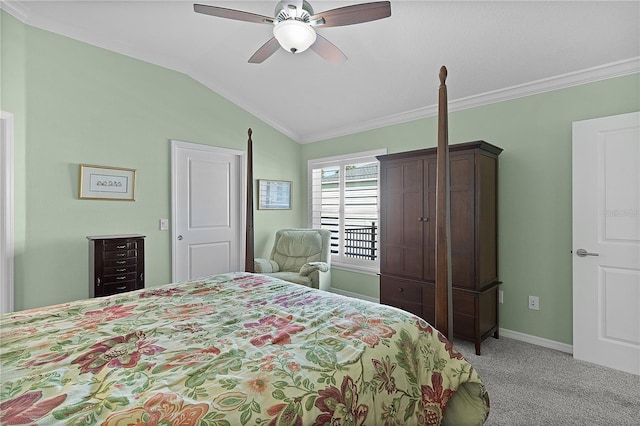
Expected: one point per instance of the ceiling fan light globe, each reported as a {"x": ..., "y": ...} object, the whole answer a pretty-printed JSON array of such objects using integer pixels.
[{"x": 294, "y": 36}]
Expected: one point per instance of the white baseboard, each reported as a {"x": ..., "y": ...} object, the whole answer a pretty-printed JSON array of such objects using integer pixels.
[
  {"x": 535, "y": 340},
  {"x": 354, "y": 295},
  {"x": 516, "y": 335}
]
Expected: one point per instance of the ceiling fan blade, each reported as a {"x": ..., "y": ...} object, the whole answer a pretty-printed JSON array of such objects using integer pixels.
[
  {"x": 238, "y": 15},
  {"x": 328, "y": 50},
  {"x": 354, "y": 14},
  {"x": 266, "y": 50}
]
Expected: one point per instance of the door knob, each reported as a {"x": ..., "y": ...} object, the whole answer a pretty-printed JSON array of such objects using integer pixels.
[
  {"x": 584, "y": 253},
  {"x": 179, "y": 237}
]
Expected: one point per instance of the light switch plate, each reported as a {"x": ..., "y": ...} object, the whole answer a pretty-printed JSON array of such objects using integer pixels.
[{"x": 164, "y": 224}]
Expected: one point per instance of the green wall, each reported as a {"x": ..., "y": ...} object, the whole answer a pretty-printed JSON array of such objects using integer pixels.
[
  {"x": 12, "y": 80},
  {"x": 75, "y": 103},
  {"x": 534, "y": 190}
]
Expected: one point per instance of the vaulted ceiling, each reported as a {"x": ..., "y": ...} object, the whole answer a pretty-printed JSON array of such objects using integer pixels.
[{"x": 493, "y": 51}]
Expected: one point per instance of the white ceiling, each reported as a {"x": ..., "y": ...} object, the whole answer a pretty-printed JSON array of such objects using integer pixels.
[{"x": 492, "y": 50}]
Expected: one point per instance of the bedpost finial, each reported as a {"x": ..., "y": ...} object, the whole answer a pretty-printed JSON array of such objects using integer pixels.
[
  {"x": 249, "y": 132},
  {"x": 443, "y": 74}
]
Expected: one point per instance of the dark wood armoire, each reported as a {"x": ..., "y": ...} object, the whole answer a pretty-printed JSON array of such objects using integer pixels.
[{"x": 407, "y": 236}]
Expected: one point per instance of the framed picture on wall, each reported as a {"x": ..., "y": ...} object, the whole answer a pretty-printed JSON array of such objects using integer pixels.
[
  {"x": 106, "y": 183},
  {"x": 274, "y": 194}
]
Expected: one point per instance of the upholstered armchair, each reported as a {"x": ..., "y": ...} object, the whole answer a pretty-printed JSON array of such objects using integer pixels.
[{"x": 302, "y": 256}]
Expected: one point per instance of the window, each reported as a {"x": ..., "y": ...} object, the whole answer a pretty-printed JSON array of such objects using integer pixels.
[{"x": 343, "y": 198}]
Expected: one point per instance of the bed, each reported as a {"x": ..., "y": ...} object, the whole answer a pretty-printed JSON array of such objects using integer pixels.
[
  {"x": 232, "y": 349},
  {"x": 235, "y": 349}
]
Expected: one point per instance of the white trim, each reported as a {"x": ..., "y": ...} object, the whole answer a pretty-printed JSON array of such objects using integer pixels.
[
  {"x": 314, "y": 162},
  {"x": 515, "y": 335},
  {"x": 356, "y": 268},
  {"x": 242, "y": 155},
  {"x": 353, "y": 156},
  {"x": 7, "y": 239},
  {"x": 15, "y": 9},
  {"x": 589, "y": 75},
  {"x": 353, "y": 295},
  {"x": 362, "y": 266},
  {"x": 535, "y": 340}
]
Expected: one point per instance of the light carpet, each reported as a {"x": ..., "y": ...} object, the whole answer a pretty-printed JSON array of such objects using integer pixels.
[{"x": 532, "y": 385}]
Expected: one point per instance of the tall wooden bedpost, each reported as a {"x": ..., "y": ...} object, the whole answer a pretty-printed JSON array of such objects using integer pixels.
[
  {"x": 444, "y": 310},
  {"x": 249, "y": 248}
]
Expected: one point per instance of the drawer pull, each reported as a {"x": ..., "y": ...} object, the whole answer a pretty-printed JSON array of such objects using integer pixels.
[
  {"x": 400, "y": 289},
  {"x": 121, "y": 270},
  {"x": 124, "y": 287},
  {"x": 124, "y": 277},
  {"x": 121, "y": 262},
  {"x": 121, "y": 254},
  {"x": 121, "y": 247}
]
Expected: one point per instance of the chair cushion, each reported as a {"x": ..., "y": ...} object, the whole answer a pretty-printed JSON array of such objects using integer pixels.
[{"x": 295, "y": 248}]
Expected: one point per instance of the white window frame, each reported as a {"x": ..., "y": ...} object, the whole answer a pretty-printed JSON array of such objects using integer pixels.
[{"x": 340, "y": 261}]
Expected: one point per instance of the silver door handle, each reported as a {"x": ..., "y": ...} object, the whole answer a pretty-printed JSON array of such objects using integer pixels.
[
  {"x": 179, "y": 237},
  {"x": 584, "y": 253}
]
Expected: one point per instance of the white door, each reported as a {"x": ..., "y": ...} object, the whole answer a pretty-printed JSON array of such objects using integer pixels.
[
  {"x": 208, "y": 210},
  {"x": 6, "y": 212},
  {"x": 606, "y": 225}
]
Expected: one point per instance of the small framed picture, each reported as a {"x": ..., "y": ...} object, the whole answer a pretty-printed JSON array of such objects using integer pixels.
[
  {"x": 274, "y": 194},
  {"x": 106, "y": 183}
]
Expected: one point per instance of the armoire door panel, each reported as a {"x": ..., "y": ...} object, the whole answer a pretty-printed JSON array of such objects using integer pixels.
[
  {"x": 411, "y": 176},
  {"x": 463, "y": 232},
  {"x": 412, "y": 220},
  {"x": 488, "y": 220},
  {"x": 393, "y": 176},
  {"x": 462, "y": 237},
  {"x": 394, "y": 219},
  {"x": 462, "y": 269},
  {"x": 429, "y": 230},
  {"x": 412, "y": 263},
  {"x": 462, "y": 170},
  {"x": 401, "y": 219},
  {"x": 390, "y": 221}
]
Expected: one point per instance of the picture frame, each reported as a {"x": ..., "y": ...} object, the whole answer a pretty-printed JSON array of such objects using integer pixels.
[
  {"x": 106, "y": 183},
  {"x": 274, "y": 194}
]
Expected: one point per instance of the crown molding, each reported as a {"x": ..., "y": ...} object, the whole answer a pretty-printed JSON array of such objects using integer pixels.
[
  {"x": 562, "y": 81},
  {"x": 17, "y": 9},
  {"x": 20, "y": 10}
]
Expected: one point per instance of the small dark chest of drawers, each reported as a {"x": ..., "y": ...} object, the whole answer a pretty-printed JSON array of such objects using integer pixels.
[{"x": 116, "y": 264}]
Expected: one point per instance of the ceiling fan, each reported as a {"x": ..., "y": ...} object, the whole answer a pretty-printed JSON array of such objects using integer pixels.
[{"x": 295, "y": 22}]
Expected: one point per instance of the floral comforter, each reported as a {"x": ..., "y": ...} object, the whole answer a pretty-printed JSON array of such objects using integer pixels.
[{"x": 232, "y": 349}]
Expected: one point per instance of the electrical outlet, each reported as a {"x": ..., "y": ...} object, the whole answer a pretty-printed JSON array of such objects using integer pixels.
[
  {"x": 500, "y": 296},
  {"x": 534, "y": 303}
]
